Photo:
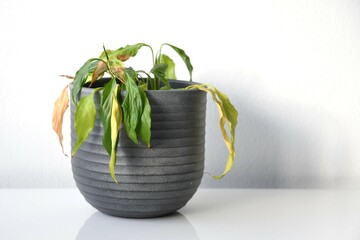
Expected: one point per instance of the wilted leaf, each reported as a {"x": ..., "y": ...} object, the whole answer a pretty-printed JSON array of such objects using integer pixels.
[
  {"x": 228, "y": 114},
  {"x": 60, "y": 106},
  {"x": 100, "y": 69},
  {"x": 123, "y": 53},
  {"x": 85, "y": 115},
  {"x": 128, "y": 51},
  {"x": 81, "y": 77},
  {"x": 67, "y": 76},
  {"x": 105, "y": 113},
  {"x": 123, "y": 57},
  {"x": 132, "y": 107},
  {"x": 184, "y": 57},
  {"x": 116, "y": 119},
  {"x": 117, "y": 68},
  {"x": 137, "y": 112},
  {"x": 170, "y": 70},
  {"x": 143, "y": 130}
]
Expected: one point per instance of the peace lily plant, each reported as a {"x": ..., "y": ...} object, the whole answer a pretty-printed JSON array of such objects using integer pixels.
[{"x": 132, "y": 109}]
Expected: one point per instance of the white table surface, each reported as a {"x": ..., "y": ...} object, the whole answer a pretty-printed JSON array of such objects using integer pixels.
[{"x": 210, "y": 214}]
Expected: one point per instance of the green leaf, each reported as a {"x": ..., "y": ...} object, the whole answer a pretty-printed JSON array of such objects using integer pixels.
[
  {"x": 144, "y": 128},
  {"x": 105, "y": 113},
  {"x": 228, "y": 114},
  {"x": 184, "y": 57},
  {"x": 143, "y": 86},
  {"x": 159, "y": 70},
  {"x": 85, "y": 115},
  {"x": 170, "y": 70},
  {"x": 115, "y": 121},
  {"x": 132, "y": 107},
  {"x": 82, "y": 76},
  {"x": 132, "y": 73},
  {"x": 137, "y": 112}
]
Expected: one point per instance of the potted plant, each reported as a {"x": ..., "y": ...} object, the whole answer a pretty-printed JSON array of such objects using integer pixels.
[{"x": 137, "y": 137}]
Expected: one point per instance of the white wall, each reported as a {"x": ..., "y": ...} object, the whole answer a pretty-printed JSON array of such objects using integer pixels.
[{"x": 292, "y": 69}]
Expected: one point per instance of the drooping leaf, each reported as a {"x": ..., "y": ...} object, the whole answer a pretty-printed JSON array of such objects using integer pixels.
[
  {"x": 132, "y": 73},
  {"x": 228, "y": 115},
  {"x": 81, "y": 77},
  {"x": 116, "y": 119},
  {"x": 111, "y": 63},
  {"x": 170, "y": 70},
  {"x": 159, "y": 70},
  {"x": 105, "y": 113},
  {"x": 123, "y": 53},
  {"x": 67, "y": 76},
  {"x": 117, "y": 68},
  {"x": 184, "y": 57},
  {"x": 99, "y": 71},
  {"x": 60, "y": 106},
  {"x": 128, "y": 51},
  {"x": 132, "y": 107},
  {"x": 143, "y": 130},
  {"x": 85, "y": 115}
]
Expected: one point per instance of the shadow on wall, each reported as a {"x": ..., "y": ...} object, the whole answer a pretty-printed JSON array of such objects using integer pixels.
[
  {"x": 272, "y": 154},
  {"x": 279, "y": 145}
]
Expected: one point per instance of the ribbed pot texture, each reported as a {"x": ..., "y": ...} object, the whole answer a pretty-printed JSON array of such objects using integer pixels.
[{"x": 152, "y": 182}]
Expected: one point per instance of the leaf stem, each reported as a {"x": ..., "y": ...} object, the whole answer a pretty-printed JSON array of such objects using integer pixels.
[
  {"x": 148, "y": 75},
  {"x": 152, "y": 54},
  {"x": 106, "y": 54}
]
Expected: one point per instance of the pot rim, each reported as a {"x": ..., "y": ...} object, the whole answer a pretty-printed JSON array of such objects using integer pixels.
[{"x": 185, "y": 83}]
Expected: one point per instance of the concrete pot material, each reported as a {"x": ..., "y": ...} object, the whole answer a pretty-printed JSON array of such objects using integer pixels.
[{"x": 152, "y": 182}]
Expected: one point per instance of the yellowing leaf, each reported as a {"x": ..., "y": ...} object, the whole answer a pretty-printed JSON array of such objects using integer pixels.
[
  {"x": 116, "y": 119},
  {"x": 228, "y": 114},
  {"x": 60, "y": 106}
]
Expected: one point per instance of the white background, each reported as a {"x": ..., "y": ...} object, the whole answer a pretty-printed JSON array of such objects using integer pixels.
[{"x": 291, "y": 68}]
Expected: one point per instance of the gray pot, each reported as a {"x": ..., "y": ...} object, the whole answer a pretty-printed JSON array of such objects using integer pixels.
[{"x": 153, "y": 182}]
